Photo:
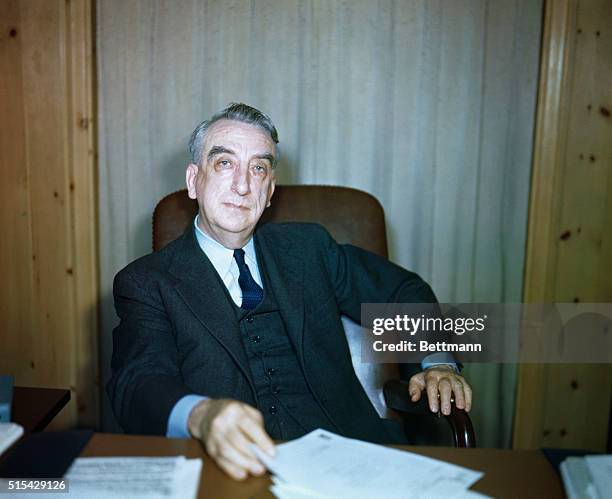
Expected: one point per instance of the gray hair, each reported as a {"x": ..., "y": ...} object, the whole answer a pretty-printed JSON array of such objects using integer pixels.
[{"x": 238, "y": 112}]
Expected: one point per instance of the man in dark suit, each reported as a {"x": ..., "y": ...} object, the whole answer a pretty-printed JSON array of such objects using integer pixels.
[{"x": 233, "y": 336}]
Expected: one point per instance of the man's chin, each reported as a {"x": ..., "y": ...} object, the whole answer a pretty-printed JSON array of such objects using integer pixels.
[{"x": 237, "y": 227}]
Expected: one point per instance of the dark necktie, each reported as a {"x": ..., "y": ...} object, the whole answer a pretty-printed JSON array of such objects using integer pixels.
[{"x": 252, "y": 293}]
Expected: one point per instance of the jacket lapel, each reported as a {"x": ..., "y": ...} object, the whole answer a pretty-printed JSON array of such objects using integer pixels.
[
  {"x": 200, "y": 288},
  {"x": 285, "y": 272}
]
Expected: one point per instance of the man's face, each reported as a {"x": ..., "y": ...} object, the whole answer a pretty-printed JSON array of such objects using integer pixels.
[{"x": 235, "y": 181}]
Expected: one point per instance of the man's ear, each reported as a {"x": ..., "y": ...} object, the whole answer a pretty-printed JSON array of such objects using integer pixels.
[
  {"x": 271, "y": 189},
  {"x": 190, "y": 180}
]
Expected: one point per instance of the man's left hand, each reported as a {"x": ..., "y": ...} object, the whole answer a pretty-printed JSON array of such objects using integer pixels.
[{"x": 444, "y": 383}]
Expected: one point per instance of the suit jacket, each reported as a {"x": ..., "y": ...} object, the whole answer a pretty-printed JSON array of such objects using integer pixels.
[{"x": 178, "y": 333}]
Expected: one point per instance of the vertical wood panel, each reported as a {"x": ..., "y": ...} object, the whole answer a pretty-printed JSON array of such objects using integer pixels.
[
  {"x": 48, "y": 311},
  {"x": 82, "y": 188},
  {"x": 45, "y": 98},
  {"x": 16, "y": 259},
  {"x": 543, "y": 207},
  {"x": 569, "y": 254}
]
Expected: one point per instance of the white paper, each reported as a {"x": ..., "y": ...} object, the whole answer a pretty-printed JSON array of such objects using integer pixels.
[
  {"x": 601, "y": 471},
  {"x": 327, "y": 465},
  {"x": 9, "y": 433},
  {"x": 131, "y": 477},
  {"x": 283, "y": 490},
  {"x": 577, "y": 479}
]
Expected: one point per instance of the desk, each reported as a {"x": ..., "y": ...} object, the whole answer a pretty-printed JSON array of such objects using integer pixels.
[
  {"x": 508, "y": 473},
  {"x": 35, "y": 408}
]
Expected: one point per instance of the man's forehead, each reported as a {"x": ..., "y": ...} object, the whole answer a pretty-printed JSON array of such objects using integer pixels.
[{"x": 236, "y": 133}]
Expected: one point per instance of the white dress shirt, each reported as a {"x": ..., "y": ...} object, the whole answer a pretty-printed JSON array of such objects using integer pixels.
[{"x": 225, "y": 264}]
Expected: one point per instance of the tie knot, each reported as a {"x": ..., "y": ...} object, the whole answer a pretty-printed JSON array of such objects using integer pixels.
[{"x": 239, "y": 256}]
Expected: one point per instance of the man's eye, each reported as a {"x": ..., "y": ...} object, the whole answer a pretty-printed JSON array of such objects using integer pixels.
[
  {"x": 224, "y": 163},
  {"x": 260, "y": 169}
]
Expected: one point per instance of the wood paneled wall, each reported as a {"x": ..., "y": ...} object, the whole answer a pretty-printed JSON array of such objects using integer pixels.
[
  {"x": 569, "y": 251},
  {"x": 48, "y": 260}
]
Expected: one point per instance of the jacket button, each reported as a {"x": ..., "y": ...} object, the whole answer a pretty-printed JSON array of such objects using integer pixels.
[
  {"x": 272, "y": 409},
  {"x": 270, "y": 371},
  {"x": 256, "y": 339},
  {"x": 250, "y": 320},
  {"x": 276, "y": 390}
]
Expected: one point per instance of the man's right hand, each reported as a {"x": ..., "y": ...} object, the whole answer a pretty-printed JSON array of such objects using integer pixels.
[{"x": 228, "y": 428}]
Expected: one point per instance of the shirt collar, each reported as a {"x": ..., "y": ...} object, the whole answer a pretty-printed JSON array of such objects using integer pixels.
[{"x": 220, "y": 256}]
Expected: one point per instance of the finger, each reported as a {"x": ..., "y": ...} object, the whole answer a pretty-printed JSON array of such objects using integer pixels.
[
  {"x": 236, "y": 472},
  {"x": 416, "y": 386},
  {"x": 230, "y": 439},
  {"x": 230, "y": 453},
  {"x": 253, "y": 413},
  {"x": 458, "y": 392},
  {"x": 432, "y": 394},
  {"x": 243, "y": 446},
  {"x": 212, "y": 448},
  {"x": 445, "y": 390},
  {"x": 467, "y": 389},
  {"x": 226, "y": 440},
  {"x": 254, "y": 430}
]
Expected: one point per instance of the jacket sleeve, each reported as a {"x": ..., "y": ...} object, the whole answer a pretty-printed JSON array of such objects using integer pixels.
[
  {"x": 360, "y": 276},
  {"x": 145, "y": 381},
  {"x": 363, "y": 277}
]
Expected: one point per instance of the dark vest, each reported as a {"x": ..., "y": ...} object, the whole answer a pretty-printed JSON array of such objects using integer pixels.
[{"x": 286, "y": 402}]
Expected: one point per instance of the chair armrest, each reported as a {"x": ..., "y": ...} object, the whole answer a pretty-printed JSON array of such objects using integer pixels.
[{"x": 397, "y": 398}]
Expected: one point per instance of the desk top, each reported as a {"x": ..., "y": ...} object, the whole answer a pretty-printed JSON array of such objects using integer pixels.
[
  {"x": 35, "y": 408},
  {"x": 508, "y": 473}
]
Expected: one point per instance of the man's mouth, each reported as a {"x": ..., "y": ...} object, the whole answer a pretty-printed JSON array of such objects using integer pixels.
[{"x": 236, "y": 206}]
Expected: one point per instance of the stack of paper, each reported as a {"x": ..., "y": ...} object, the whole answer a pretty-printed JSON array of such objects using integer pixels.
[
  {"x": 9, "y": 433},
  {"x": 588, "y": 477},
  {"x": 322, "y": 464},
  {"x": 130, "y": 477},
  {"x": 601, "y": 471}
]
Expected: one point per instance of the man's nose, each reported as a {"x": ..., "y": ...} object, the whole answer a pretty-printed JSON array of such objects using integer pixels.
[{"x": 241, "y": 181}]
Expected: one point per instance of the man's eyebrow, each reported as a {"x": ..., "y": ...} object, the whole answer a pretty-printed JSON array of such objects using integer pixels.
[
  {"x": 268, "y": 156},
  {"x": 214, "y": 150}
]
